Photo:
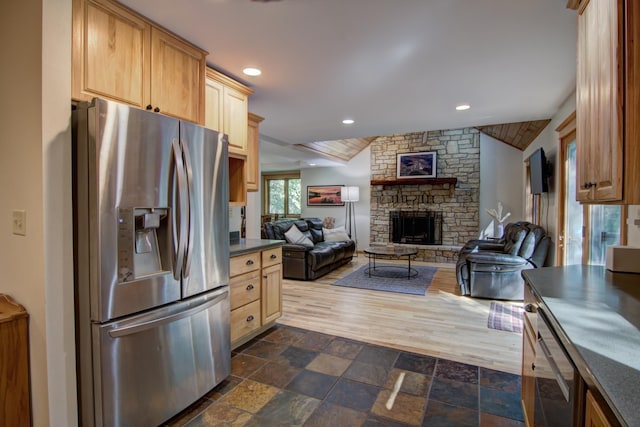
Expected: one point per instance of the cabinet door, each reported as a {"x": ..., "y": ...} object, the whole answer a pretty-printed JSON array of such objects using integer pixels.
[
  {"x": 213, "y": 96},
  {"x": 177, "y": 77},
  {"x": 528, "y": 379},
  {"x": 594, "y": 416},
  {"x": 235, "y": 120},
  {"x": 599, "y": 101},
  {"x": 585, "y": 99},
  {"x": 110, "y": 57},
  {"x": 271, "y": 293},
  {"x": 252, "y": 164}
]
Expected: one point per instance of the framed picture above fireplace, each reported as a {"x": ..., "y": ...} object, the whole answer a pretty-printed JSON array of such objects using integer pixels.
[
  {"x": 324, "y": 195},
  {"x": 416, "y": 165}
]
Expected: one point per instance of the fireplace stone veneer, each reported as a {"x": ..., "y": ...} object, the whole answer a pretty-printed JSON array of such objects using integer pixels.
[{"x": 458, "y": 153}]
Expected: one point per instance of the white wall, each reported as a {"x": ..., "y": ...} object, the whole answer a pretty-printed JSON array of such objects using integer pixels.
[
  {"x": 356, "y": 172},
  {"x": 254, "y": 208},
  {"x": 633, "y": 231},
  {"x": 550, "y": 142},
  {"x": 500, "y": 181},
  {"x": 35, "y": 175}
]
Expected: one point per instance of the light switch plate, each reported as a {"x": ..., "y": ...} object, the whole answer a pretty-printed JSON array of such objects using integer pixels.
[{"x": 19, "y": 222}]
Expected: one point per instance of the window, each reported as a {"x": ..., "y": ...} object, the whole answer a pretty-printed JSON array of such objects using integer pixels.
[{"x": 282, "y": 195}]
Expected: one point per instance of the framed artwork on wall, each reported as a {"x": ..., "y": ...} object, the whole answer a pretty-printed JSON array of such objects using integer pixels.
[
  {"x": 324, "y": 195},
  {"x": 416, "y": 165}
]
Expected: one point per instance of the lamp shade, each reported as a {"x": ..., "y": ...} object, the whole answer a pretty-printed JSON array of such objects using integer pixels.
[{"x": 351, "y": 194}]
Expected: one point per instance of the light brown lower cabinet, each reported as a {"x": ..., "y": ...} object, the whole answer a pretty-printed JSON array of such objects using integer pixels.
[
  {"x": 256, "y": 293},
  {"x": 15, "y": 406},
  {"x": 594, "y": 415},
  {"x": 528, "y": 377}
]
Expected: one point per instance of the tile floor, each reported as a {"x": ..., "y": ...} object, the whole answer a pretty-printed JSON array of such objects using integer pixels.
[{"x": 294, "y": 377}]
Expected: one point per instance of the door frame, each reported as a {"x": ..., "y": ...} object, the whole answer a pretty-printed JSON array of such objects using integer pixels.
[{"x": 567, "y": 134}]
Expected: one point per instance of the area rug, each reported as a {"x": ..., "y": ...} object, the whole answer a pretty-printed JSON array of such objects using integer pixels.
[
  {"x": 390, "y": 279},
  {"x": 505, "y": 317}
]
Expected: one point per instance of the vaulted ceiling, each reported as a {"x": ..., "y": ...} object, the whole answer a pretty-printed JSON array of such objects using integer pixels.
[{"x": 392, "y": 66}]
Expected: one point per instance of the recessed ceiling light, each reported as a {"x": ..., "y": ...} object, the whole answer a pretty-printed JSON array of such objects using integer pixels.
[
  {"x": 249, "y": 71},
  {"x": 348, "y": 122},
  {"x": 463, "y": 107},
  {"x": 312, "y": 164}
]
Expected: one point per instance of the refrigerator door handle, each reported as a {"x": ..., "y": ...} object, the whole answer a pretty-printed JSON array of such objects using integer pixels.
[
  {"x": 189, "y": 170},
  {"x": 178, "y": 220},
  {"x": 154, "y": 323}
]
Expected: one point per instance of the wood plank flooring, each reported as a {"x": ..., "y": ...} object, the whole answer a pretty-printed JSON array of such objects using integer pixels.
[{"x": 441, "y": 324}]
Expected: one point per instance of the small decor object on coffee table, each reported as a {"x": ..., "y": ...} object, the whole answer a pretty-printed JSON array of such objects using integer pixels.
[{"x": 375, "y": 252}]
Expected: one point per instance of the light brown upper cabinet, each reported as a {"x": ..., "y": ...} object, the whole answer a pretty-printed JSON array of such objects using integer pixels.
[
  {"x": 607, "y": 102},
  {"x": 119, "y": 55},
  {"x": 253, "y": 153},
  {"x": 227, "y": 105}
]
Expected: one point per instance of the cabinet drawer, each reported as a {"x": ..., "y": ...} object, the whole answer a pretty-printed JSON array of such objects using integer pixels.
[
  {"x": 244, "y": 263},
  {"x": 244, "y": 289},
  {"x": 271, "y": 257},
  {"x": 245, "y": 319}
]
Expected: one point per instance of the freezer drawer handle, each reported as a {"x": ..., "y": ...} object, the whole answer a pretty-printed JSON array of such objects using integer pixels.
[
  {"x": 249, "y": 287},
  {"x": 249, "y": 262},
  {"x": 250, "y": 318},
  {"x": 141, "y": 327}
]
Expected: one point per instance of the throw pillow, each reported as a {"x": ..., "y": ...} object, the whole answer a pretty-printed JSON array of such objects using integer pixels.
[
  {"x": 337, "y": 234},
  {"x": 295, "y": 236}
]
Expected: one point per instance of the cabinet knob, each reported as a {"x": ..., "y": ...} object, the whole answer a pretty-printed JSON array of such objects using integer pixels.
[
  {"x": 529, "y": 308},
  {"x": 265, "y": 276},
  {"x": 250, "y": 318},
  {"x": 274, "y": 256},
  {"x": 249, "y": 287},
  {"x": 533, "y": 366},
  {"x": 149, "y": 107},
  {"x": 249, "y": 262},
  {"x": 157, "y": 110}
]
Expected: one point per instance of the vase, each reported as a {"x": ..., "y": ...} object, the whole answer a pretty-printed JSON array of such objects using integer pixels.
[{"x": 499, "y": 229}]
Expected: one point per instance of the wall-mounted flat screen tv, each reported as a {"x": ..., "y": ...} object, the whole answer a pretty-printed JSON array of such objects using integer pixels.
[{"x": 539, "y": 172}]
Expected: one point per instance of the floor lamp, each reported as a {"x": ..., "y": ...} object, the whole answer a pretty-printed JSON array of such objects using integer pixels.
[{"x": 350, "y": 195}]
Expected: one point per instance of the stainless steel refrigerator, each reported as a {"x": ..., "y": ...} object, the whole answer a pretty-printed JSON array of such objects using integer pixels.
[{"x": 151, "y": 263}]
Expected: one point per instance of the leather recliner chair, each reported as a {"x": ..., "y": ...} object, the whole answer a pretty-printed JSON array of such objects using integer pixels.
[
  {"x": 492, "y": 268},
  {"x": 304, "y": 263}
]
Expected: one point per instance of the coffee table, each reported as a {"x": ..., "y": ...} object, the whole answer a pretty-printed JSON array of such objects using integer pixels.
[{"x": 386, "y": 252}]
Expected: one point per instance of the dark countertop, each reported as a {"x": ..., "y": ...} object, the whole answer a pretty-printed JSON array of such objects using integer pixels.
[
  {"x": 244, "y": 246},
  {"x": 596, "y": 314}
]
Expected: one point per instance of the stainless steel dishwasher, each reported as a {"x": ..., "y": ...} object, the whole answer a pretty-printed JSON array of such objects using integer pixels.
[{"x": 559, "y": 387}]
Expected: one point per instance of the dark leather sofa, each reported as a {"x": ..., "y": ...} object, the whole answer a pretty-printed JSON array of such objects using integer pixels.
[
  {"x": 308, "y": 263},
  {"x": 492, "y": 268}
]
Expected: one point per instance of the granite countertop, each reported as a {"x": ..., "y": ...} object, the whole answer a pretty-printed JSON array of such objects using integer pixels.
[
  {"x": 596, "y": 314},
  {"x": 243, "y": 246}
]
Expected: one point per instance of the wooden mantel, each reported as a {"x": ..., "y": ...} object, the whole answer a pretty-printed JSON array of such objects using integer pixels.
[{"x": 416, "y": 181}]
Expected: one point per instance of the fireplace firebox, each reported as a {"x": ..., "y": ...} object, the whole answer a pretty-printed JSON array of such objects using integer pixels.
[{"x": 415, "y": 227}]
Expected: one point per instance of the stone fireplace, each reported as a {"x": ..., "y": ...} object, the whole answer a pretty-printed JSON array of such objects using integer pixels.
[{"x": 453, "y": 194}]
